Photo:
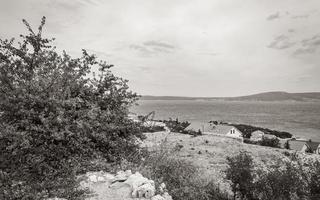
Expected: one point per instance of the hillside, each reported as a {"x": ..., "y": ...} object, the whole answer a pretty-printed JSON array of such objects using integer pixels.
[
  {"x": 266, "y": 96},
  {"x": 209, "y": 152},
  {"x": 279, "y": 96}
]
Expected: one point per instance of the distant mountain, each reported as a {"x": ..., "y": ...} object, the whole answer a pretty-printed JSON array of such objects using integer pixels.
[
  {"x": 267, "y": 96},
  {"x": 148, "y": 97},
  {"x": 279, "y": 96}
]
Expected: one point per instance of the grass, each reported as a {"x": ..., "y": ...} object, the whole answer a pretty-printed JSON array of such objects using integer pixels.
[{"x": 214, "y": 151}]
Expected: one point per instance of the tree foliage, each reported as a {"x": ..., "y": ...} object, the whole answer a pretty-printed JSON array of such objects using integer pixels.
[
  {"x": 270, "y": 142},
  {"x": 285, "y": 180},
  {"x": 240, "y": 173},
  {"x": 55, "y": 116}
]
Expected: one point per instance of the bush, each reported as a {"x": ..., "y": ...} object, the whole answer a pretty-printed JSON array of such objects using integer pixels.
[
  {"x": 184, "y": 180},
  {"x": 270, "y": 142},
  {"x": 180, "y": 127},
  {"x": 176, "y": 125},
  {"x": 240, "y": 173},
  {"x": 314, "y": 184},
  {"x": 151, "y": 129},
  {"x": 289, "y": 180},
  {"x": 54, "y": 119},
  {"x": 281, "y": 183}
]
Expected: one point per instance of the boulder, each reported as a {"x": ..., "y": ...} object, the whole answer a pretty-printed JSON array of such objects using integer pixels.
[{"x": 122, "y": 186}]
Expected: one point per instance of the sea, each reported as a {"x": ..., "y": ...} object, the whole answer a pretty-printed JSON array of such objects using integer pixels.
[{"x": 302, "y": 119}]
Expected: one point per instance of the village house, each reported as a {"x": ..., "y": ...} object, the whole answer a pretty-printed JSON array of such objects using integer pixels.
[
  {"x": 305, "y": 146},
  {"x": 259, "y": 135},
  {"x": 256, "y": 136},
  {"x": 311, "y": 147},
  {"x": 228, "y": 131}
]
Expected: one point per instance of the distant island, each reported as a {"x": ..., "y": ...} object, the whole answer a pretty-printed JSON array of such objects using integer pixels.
[{"x": 266, "y": 96}]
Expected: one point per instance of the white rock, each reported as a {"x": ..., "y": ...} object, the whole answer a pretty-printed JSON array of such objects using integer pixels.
[
  {"x": 162, "y": 187},
  {"x": 100, "y": 178},
  {"x": 158, "y": 197},
  {"x": 123, "y": 186},
  {"x": 147, "y": 190},
  {"x": 93, "y": 178},
  {"x": 166, "y": 196}
]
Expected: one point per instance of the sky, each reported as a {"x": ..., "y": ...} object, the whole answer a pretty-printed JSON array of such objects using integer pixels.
[{"x": 207, "y": 48}]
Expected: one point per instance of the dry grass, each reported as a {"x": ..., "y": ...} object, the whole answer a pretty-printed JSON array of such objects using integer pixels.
[{"x": 209, "y": 152}]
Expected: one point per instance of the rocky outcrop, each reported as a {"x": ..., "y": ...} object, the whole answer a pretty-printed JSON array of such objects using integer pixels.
[{"x": 122, "y": 186}]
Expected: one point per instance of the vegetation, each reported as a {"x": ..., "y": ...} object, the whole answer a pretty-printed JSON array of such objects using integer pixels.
[
  {"x": 239, "y": 172},
  {"x": 285, "y": 180},
  {"x": 265, "y": 141},
  {"x": 151, "y": 129},
  {"x": 270, "y": 142},
  {"x": 183, "y": 179},
  {"x": 180, "y": 127},
  {"x": 56, "y": 117}
]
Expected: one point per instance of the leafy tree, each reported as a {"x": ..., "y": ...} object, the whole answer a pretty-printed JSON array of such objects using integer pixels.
[
  {"x": 314, "y": 184},
  {"x": 240, "y": 173},
  {"x": 281, "y": 182},
  {"x": 55, "y": 117},
  {"x": 287, "y": 145}
]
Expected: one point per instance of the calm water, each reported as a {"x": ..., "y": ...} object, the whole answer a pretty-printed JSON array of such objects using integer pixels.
[{"x": 299, "y": 118}]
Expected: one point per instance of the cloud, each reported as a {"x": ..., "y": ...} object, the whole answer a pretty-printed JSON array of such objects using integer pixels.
[
  {"x": 291, "y": 30},
  {"x": 300, "y": 16},
  {"x": 140, "y": 48},
  {"x": 309, "y": 45},
  {"x": 281, "y": 42},
  {"x": 208, "y": 53},
  {"x": 152, "y": 47},
  {"x": 158, "y": 44},
  {"x": 273, "y": 16}
]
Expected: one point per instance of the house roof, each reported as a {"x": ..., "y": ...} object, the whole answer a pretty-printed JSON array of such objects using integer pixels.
[
  {"x": 223, "y": 129},
  {"x": 296, "y": 144},
  {"x": 313, "y": 145}
]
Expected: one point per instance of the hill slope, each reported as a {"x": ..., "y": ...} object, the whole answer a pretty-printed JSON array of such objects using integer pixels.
[
  {"x": 279, "y": 96},
  {"x": 267, "y": 96}
]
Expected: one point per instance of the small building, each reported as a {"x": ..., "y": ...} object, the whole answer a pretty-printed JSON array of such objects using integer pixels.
[
  {"x": 296, "y": 144},
  {"x": 228, "y": 131},
  {"x": 234, "y": 132},
  {"x": 257, "y": 135},
  {"x": 269, "y": 136},
  {"x": 311, "y": 147}
]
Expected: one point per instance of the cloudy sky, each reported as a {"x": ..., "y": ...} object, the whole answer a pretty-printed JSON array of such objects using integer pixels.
[{"x": 186, "y": 47}]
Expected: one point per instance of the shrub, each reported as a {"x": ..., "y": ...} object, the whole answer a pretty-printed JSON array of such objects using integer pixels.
[
  {"x": 151, "y": 129},
  {"x": 314, "y": 184},
  {"x": 182, "y": 178},
  {"x": 180, "y": 127},
  {"x": 281, "y": 182},
  {"x": 270, "y": 142},
  {"x": 54, "y": 119},
  {"x": 240, "y": 173},
  {"x": 176, "y": 125}
]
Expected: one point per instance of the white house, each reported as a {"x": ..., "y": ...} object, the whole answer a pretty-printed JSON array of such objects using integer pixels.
[
  {"x": 228, "y": 131},
  {"x": 234, "y": 132},
  {"x": 257, "y": 135}
]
